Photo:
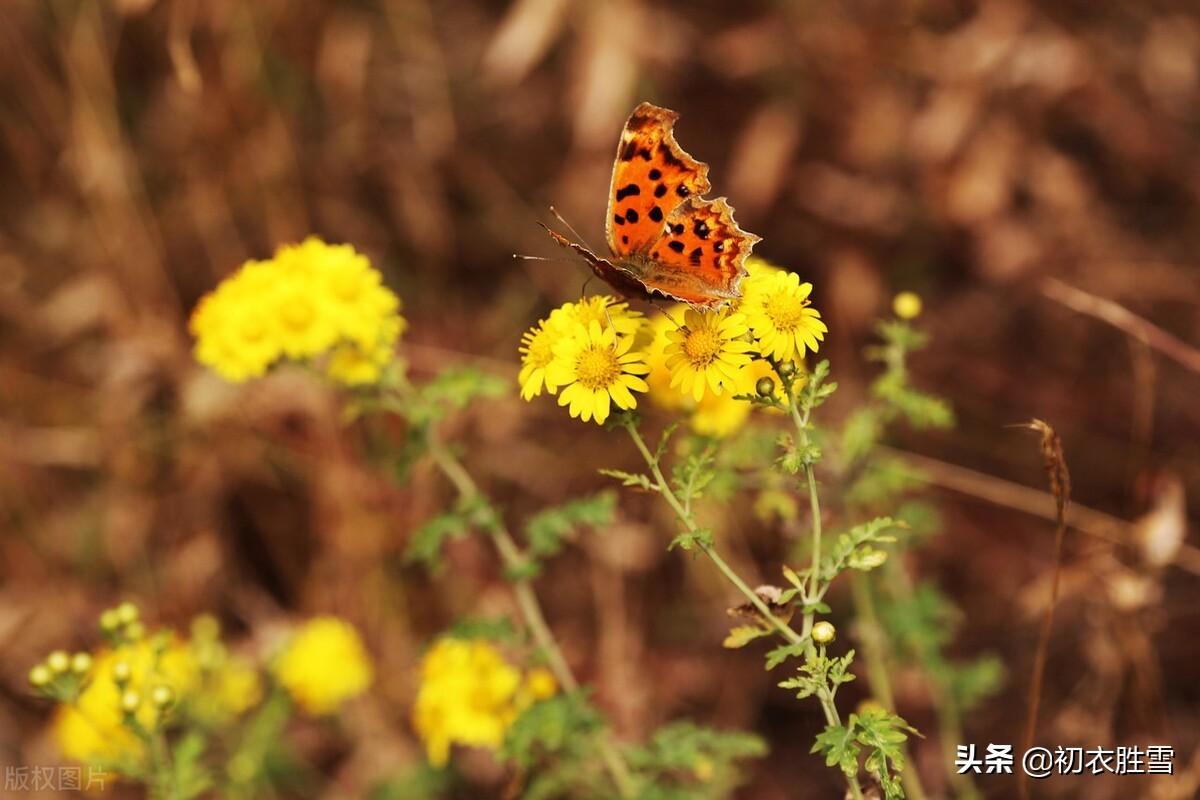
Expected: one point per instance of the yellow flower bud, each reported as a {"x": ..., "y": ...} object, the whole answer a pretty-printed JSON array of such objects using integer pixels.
[
  {"x": 126, "y": 613},
  {"x": 823, "y": 632},
  {"x": 109, "y": 621},
  {"x": 121, "y": 672},
  {"x": 162, "y": 696},
  {"x": 81, "y": 663},
  {"x": 130, "y": 700},
  {"x": 58, "y": 662},
  {"x": 40, "y": 676},
  {"x": 907, "y": 305},
  {"x": 135, "y": 630}
]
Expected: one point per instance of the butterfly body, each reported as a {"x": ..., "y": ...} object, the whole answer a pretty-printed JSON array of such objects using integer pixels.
[{"x": 663, "y": 236}]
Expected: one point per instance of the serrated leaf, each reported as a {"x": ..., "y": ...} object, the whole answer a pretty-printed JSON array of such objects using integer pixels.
[
  {"x": 630, "y": 479},
  {"x": 547, "y": 529},
  {"x": 743, "y": 635},
  {"x": 700, "y": 537},
  {"x": 782, "y": 653}
]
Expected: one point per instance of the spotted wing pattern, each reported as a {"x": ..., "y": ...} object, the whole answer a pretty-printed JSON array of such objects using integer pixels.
[{"x": 651, "y": 176}]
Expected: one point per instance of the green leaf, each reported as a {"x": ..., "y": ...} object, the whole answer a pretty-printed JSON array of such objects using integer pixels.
[
  {"x": 632, "y": 480},
  {"x": 883, "y": 734},
  {"x": 190, "y": 778},
  {"x": 683, "y": 761},
  {"x": 454, "y": 388},
  {"x": 782, "y": 653},
  {"x": 686, "y": 540},
  {"x": 547, "y": 530},
  {"x": 550, "y": 727},
  {"x": 425, "y": 547},
  {"x": 852, "y": 548},
  {"x": 494, "y": 629},
  {"x": 838, "y": 745},
  {"x": 694, "y": 473},
  {"x": 422, "y": 782}
]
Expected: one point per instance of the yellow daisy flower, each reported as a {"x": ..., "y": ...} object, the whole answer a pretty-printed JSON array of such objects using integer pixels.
[
  {"x": 311, "y": 302},
  {"x": 324, "y": 664},
  {"x": 470, "y": 695},
  {"x": 602, "y": 309},
  {"x": 537, "y": 351},
  {"x": 597, "y": 370},
  {"x": 708, "y": 351},
  {"x": 662, "y": 393},
  {"x": 780, "y": 314}
]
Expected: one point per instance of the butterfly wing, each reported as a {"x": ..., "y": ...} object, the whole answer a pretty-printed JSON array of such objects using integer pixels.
[
  {"x": 661, "y": 231},
  {"x": 700, "y": 255},
  {"x": 652, "y": 176}
]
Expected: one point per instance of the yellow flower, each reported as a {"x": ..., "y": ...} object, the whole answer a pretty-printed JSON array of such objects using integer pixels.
[
  {"x": 603, "y": 309},
  {"x": 598, "y": 370},
  {"x": 233, "y": 335},
  {"x": 470, "y": 695},
  {"x": 719, "y": 416},
  {"x": 323, "y": 665},
  {"x": 661, "y": 392},
  {"x": 311, "y": 301},
  {"x": 537, "y": 351},
  {"x": 907, "y": 305},
  {"x": 708, "y": 351},
  {"x": 779, "y": 312},
  {"x": 92, "y": 729},
  {"x": 538, "y": 343}
]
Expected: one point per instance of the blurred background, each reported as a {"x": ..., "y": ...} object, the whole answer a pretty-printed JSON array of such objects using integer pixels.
[{"x": 1032, "y": 170}]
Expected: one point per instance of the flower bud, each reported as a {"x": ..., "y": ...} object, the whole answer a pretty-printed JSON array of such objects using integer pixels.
[
  {"x": 109, "y": 621},
  {"x": 40, "y": 676},
  {"x": 121, "y": 672},
  {"x": 135, "y": 630},
  {"x": 81, "y": 663},
  {"x": 907, "y": 305},
  {"x": 765, "y": 386},
  {"x": 786, "y": 368},
  {"x": 126, "y": 613},
  {"x": 58, "y": 662},
  {"x": 162, "y": 696},
  {"x": 823, "y": 632},
  {"x": 130, "y": 700}
]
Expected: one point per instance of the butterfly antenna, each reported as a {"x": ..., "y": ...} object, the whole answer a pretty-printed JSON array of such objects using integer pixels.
[
  {"x": 523, "y": 257},
  {"x": 568, "y": 226}
]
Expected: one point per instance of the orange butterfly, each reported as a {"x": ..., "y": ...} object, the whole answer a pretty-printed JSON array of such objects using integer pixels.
[{"x": 664, "y": 236}]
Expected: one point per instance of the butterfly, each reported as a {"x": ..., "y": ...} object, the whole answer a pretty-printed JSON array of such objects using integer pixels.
[{"x": 664, "y": 237}]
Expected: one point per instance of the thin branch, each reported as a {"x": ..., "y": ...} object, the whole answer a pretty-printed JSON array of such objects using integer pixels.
[
  {"x": 1125, "y": 320},
  {"x": 1031, "y": 501}
]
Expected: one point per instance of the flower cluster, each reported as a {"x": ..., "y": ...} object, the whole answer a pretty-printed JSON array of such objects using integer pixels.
[
  {"x": 312, "y": 302},
  {"x": 323, "y": 665},
  {"x": 470, "y": 695},
  {"x": 140, "y": 687},
  {"x": 595, "y": 353},
  {"x": 109, "y": 699}
]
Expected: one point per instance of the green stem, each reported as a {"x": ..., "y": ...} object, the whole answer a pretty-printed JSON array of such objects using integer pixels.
[
  {"x": 664, "y": 488},
  {"x": 527, "y": 602},
  {"x": 875, "y": 654}
]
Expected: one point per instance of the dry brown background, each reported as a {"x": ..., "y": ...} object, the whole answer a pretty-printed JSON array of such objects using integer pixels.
[{"x": 965, "y": 150}]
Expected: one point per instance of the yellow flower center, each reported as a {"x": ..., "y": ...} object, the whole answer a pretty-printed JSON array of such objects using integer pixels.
[
  {"x": 702, "y": 345},
  {"x": 253, "y": 330},
  {"x": 298, "y": 314},
  {"x": 597, "y": 368},
  {"x": 784, "y": 312},
  {"x": 346, "y": 285}
]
